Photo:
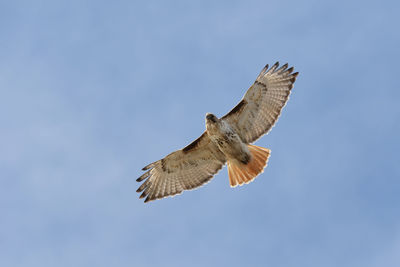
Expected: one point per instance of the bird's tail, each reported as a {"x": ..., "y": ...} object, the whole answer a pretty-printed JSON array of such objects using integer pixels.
[{"x": 240, "y": 173}]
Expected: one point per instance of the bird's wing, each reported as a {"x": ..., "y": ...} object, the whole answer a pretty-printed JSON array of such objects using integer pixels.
[
  {"x": 261, "y": 106},
  {"x": 181, "y": 170}
]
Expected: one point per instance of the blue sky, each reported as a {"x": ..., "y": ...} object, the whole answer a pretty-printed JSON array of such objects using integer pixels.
[{"x": 91, "y": 91}]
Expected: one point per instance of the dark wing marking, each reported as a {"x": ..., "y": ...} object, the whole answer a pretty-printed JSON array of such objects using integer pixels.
[{"x": 193, "y": 144}]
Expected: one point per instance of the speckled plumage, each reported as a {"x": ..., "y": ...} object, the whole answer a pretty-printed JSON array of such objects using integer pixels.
[{"x": 224, "y": 140}]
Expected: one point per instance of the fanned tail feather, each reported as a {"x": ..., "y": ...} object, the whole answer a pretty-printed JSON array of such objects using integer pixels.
[{"x": 240, "y": 174}]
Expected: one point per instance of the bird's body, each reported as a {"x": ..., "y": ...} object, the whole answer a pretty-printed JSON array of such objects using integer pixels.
[{"x": 226, "y": 140}]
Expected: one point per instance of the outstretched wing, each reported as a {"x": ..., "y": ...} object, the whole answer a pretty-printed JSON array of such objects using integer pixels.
[
  {"x": 184, "y": 169},
  {"x": 261, "y": 106}
]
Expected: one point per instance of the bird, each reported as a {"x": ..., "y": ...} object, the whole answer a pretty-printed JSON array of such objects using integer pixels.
[{"x": 226, "y": 140}]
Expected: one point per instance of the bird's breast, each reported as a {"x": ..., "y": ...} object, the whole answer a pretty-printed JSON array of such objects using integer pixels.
[{"x": 229, "y": 142}]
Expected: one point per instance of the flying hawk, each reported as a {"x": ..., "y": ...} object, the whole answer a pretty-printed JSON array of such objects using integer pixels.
[{"x": 225, "y": 140}]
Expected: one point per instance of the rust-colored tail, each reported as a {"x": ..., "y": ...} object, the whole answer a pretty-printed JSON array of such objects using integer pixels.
[{"x": 240, "y": 174}]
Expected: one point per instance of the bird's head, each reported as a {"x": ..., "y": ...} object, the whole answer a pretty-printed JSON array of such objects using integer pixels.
[{"x": 211, "y": 118}]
